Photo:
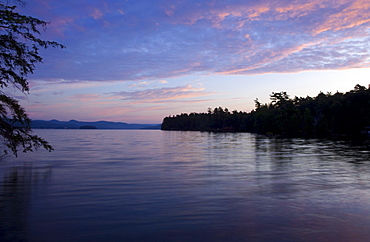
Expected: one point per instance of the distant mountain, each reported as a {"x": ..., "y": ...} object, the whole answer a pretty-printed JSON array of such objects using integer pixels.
[{"x": 74, "y": 124}]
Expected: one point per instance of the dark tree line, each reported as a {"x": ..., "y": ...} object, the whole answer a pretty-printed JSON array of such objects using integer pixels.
[{"x": 339, "y": 114}]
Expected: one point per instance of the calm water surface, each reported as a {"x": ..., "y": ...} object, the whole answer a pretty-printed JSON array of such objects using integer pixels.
[{"x": 143, "y": 185}]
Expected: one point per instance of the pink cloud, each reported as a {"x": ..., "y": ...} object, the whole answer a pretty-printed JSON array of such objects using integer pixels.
[
  {"x": 154, "y": 40},
  {"x": 161, "y": 95},
  {"x": 86, "y": 97},
  {"x": 354, "y": 14},
  {"x": 338, "y": 14},
  {"x": 96, "y": 13}
]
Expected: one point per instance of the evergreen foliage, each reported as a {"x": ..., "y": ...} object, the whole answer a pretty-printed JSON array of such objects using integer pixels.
[
  {"x": 326, "y": 115},
  {"x": 19, "y": 52}
]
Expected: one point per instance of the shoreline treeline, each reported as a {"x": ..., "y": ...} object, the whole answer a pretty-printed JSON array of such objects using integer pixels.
[{"x": 326, "y": 115}]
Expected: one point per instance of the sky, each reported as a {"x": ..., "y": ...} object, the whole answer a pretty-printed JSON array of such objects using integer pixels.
[{"x": 138, "y": 61}]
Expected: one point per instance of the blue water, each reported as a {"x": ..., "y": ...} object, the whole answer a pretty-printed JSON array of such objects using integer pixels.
[{"x": 151, "y": 185}]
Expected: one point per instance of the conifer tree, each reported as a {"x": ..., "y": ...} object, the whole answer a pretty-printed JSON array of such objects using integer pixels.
[{"x": 19, "y": 52}]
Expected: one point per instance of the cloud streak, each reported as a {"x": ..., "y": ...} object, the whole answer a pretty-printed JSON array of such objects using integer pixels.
[
  {"x": 140, "y": 40},
  {"x": 143, "y": 60},
  {"x": 161, "y": 95}
]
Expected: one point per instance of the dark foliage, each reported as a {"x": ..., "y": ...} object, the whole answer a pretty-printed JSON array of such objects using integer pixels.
[
  {"x": 326, "y": 115},
  {"x": 19, "y": 52}
]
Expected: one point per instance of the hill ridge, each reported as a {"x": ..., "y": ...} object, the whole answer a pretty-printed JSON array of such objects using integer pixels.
[{"x": 74, "y": 124}]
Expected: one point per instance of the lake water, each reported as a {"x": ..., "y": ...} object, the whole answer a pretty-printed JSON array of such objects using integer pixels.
[{"x": 152, "y": 185}]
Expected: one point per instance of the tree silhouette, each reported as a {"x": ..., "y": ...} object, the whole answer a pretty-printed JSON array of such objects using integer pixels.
[
  {"x": 326, "y": 115},
  {"x": 19, "y": 52}
]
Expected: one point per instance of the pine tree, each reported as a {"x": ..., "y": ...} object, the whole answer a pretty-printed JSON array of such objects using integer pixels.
[{"x": 19, "y": 52}]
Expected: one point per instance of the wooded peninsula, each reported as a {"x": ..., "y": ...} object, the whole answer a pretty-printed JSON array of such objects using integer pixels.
[{"x": 326, "y": 115}]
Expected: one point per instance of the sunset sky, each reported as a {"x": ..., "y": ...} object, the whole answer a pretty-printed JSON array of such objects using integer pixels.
[{"x": 137, "y": 61}]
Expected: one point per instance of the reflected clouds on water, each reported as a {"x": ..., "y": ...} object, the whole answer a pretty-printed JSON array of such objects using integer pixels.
[{"x": 166, "y": 186}]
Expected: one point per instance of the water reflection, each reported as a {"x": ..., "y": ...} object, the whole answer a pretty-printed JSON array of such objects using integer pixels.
[
  {"x": 187, "y": 186},
  {"x": 311, "y": 163},
  {"x": 314, "y": 189},
  {"x": 16, "y": 191}
]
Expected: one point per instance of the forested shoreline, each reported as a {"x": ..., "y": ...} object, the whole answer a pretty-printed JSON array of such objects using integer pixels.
[{"x": 326, "y": 115}]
